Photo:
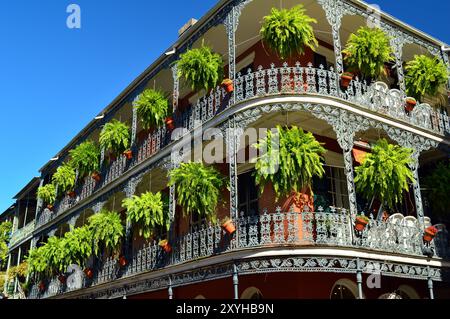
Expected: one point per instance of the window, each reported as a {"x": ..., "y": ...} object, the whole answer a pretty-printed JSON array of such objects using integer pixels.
[
  {"x": 331, "y": 189},
  {"x": 247, "y": 194},
  {"x": 344, "y": 289},
  {"x": 320, "y": 60}
]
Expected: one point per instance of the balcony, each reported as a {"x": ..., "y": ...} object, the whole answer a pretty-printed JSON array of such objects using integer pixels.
[
  {"x": 332, "y": 228},
  {"x": 22, "y": 234},
  {"x": 297, "y": 81}
]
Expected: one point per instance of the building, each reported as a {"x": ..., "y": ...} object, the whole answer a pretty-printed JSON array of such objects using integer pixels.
[{"x": 276, "y": 252}]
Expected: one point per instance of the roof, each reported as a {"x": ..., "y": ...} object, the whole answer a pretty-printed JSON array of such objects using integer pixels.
[
  {"x": 185, "y": 37},
  {"x": 31, "y": 184}
]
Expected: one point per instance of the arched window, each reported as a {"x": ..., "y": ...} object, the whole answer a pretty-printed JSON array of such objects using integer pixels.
[
  {"x": 252, "y": 293},
  {"x": 407, "y": 292},
  {"x": 344, "y": 289}
]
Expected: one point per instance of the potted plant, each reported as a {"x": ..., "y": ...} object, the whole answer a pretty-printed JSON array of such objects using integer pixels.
[
  {"x": 170, "y": 123},
  {"x": 148, "y": 212},
  {"x": 123, "y": 261},
  {"x": 410, "y": 104},
  {"x": 164, "y": 244},
  {"x": 42, "y": 286},
  {"x": 78, "y": 245},
  {"x": 152, "y": 108},
  {"x": 198, "y": 188},
  {"x": 289, "y": 168},
  {"x": 89, "y": 272},
  {"x": 228, "y": 85},
  {"x": 62, "y": 278},
  {"x": 107, "y": 231},
  {"x": 385, "y": 173},
  {"x": 228, "y": 225},
  {"x": 115, "y": 137},
  {"x": 429, "y": 233},
  {"x": 367, "y": 51},
  {"x": 288, "y": 31},
  {"x": 201, "y": 68},
  {"x": 425, "y": 76},
  {"x": 361, "y": 222},
  {"x": 346, "y": 78},
  {"x": 64, "y": 179},
  {"x": 85, "y": 158},
  {"x": 128, "y": 154},
  {"x": 48, "y": 194}
]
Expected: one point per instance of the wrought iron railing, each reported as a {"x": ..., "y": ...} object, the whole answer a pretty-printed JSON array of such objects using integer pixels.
[
  {"x": 331, "y": 228},
  {"x": 21, "y": 234},
  {"x": 296, "y": 80}
]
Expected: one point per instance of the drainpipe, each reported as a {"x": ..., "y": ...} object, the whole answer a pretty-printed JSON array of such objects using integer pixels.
[
  {"x": 359, "y": 279},
  {"x": 430, "y": 283},
  {"x": 235, "y": 282}
]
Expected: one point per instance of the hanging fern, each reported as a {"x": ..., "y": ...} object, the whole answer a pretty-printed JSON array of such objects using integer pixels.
[
  {"x": 64, "y": 178},
  {"x": 37, "y": 262},
  {"x": 115, "y": 137},
  {"x": 385, "y": 173},
  {"x": 79, "y": 245},
  {"x": 289, "y": 159},
  {"x": 425, "y": 76},
  {"x": 85, "y": 158},
  {"x": 152, "y": 108},
  {"x": 47, "y": 193},
  {"x": 56, "y": 255},
  {"x": 5, "y": 237},
  {"x": 288, "y": 32},
  {"x": 438, "y": 182},
  {"x": 148, "y": 212},
  {"x": 107, "y": 230},
  {"x": 367, "y": 51},
  {"x": 201, "y": 68},
  {"x": 198, "y": 188}
]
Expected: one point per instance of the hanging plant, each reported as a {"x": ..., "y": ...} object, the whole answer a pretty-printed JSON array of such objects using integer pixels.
[
  {"x": 79, "y": 245},
  {"x": 107, "y": 230},
  {"x": 37, "y": 262},
  {"x": 5, "y": 237},
  {"x": 115, "y": 137},
  {"x": 367, "y": 51},
  {"x": 48, "y": 194},
  {"x": 385, "y": 173},
  {"x": 288, "y": 32},
  {"x": 152, "y": 108},
  {"x": 425, "y": 76},
  {"x": 85, "y": 158},
  {"x": 289, "y": 160},
  {"x": 198, "y": 188},
  {"x": 201, "y": 68},
  {"x": 56, "y": 255},
  {"x": 64, "y": 178},
  {"x": 148, "y": 212}
]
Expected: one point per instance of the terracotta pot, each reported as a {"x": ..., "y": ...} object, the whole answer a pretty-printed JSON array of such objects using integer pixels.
[
  {"x": 89, "y": 273},
  {"x": 345, "y": 80},
  {"x": 410, "y": 104},
  {"x": 170, "y": 123},
  {"x": 229, "y": 227},
  {"x": 72, "y": 194},
  {"x": 128, "y": 154},
  {"x": 360, "y": 224},
  {"x": 359, "y": 155},
  {"x": 96, "y": 176},
  {"x": 62, "y": 279},
  {"x": 165, "y": 246},
  {"x": 122, "y": 261},
  {"x": 50, "y": 207},
  {"x": 41, "y": 286},
  {"x": 429, "y": 234},
  {"x": 228, "y": 85}
]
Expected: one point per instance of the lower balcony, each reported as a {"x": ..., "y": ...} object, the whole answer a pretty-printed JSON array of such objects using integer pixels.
[
  {"x": 22, "y": 234},
  {"x": 331, "y": 228}
]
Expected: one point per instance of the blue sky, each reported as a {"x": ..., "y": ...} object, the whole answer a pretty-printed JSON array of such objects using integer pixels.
[{"x": 54, "y": 80}]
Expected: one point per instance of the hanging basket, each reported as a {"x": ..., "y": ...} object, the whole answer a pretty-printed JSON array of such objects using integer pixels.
[{"x": 361, "y": 222}]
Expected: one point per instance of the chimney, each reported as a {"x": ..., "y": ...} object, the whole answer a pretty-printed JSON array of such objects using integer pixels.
[{"x": 187, "y": 26}]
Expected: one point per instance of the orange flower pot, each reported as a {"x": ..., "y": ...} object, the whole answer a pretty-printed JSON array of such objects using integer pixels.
[
  {"x": 96, "y": 177},
  {"x": 170, "y": 123},
  {"x": 430, "y": 233},
  {"x": 360, "y": 223},
  {"x": 164, "y": 244},
  {"x": 346, "y": 78},
  {"x": 128, "y": 154},
  {"x": 41, "y": 286},
  {"x": 62, "y": 279},
  {"x": 229, "y": 227},
  {"x": 50, "y": 207},
  {"x": 228, "y": 85},
  {"x": 89, "y": 273},
  {"x": 122, "y": 261},
  {"x": 410, "y": 105},
  {"x": 72, "y": 194}
]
